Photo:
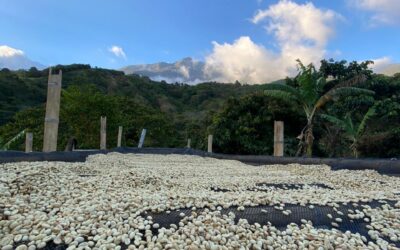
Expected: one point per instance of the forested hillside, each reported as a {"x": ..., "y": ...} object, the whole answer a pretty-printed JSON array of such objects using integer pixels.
[
  {"x": 240, "y": 116},
  {"x": 22, "y": 89},
  {"x": 109, "y": 92}
]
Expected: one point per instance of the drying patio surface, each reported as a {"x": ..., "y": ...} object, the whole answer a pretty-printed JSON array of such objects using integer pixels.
[{"x": 139, "y": 201}]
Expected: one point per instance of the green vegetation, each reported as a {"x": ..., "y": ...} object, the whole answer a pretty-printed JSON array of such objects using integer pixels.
[
  {"x": 333, "y": 102},
  {"x": 309, "y": 90},
  {"x": 352, "y": 131},
  {"x": 245, "y": 125},
  {"x": 7, "y": 145}
]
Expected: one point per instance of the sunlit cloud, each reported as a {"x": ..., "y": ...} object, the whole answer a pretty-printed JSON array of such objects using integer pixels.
[
  {"x": 6, "y": 51},
  {"x": 117, "y": 51},
  {"x": 301, "y": 31}
]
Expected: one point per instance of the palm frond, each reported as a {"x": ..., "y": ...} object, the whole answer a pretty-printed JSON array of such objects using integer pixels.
[
  {"x": 301, "y": 66},
  {"x": 350, "y": 91},
  {"x": 374, "y": 138},
  {"x": 371, "y": 112},
  {"x": 350, "y": 128},
  {"x": 308, "y": 79},
  {"x": 346, "y": 124},
  {"x": 336, "y": 121},
  {"x": 321, "y": 82},
  {"x": 7, "y": 145},
  {"x": 336, "y": 92},
  {"x": 351, "y": 82}
]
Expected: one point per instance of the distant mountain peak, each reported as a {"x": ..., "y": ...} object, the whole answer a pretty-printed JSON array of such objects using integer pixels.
[
  {"x": 15, "y": 59},
  {"x": 186, "y": 70},
  {"x": 389, "y": 69}
]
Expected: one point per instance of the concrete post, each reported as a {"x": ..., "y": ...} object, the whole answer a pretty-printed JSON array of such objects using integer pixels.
[
  {"x": 278, "y": 138},
  {"x": 188, "y": 143},
  {"x": 119, "y": 136},
  {"x": 28, "y": 142},
  {"x": 210, "y": 143},
  {"x": 51, "y": 119},
  {"x": 103, "y": 133},
  {"x": 142, "y": 136}
]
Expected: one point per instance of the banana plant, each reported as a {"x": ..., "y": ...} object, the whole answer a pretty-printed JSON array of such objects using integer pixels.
[
  {"x": 352, "y": 131},
  {"x": 312, "y": 93},
  {"x": 6, "y": 146}
]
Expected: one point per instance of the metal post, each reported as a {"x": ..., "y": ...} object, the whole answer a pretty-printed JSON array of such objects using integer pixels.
[
  {"x": 119, "y": 136},
  {"x": 278, "y": 138},
  {"x": 210, "y": 143},
  {"x": 28, "y": 142},
  {"x": 142, "y": 136},
  {"x": 188, "y": 143},
  {"x": 52, "y": 112},
  {"x": 103, "y": 133}
]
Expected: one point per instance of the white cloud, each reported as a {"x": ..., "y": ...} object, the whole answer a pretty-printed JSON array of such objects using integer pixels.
[
  {"x": 184, "y": 71},
  {"x": 383, "y": 11},
  {"x": 381, "y": 63},
  {"x": 244, "y": 61},
  {"x": 292, "y": 22},
  {"x": 301, "y": 31},
  {"x": 6, "y": 51},
  {"x": 15, "y": 59},
  {"x": 117, "y": 51}
]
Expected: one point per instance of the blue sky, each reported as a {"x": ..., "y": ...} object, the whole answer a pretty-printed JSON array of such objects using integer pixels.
[{"x": 77, "y": 31}]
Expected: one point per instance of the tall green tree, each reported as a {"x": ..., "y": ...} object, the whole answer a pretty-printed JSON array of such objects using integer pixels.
[
  {"x": 245, "y": 125},
  {"x": 310, "y": 91}
]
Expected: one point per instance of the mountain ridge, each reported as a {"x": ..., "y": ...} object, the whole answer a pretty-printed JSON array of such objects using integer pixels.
[
  {"x": 186, "y": 70},
  {"x": 15, "y": 59},
  {"x": 390, "y": 69},
  {"x": 192, "y": 71}
]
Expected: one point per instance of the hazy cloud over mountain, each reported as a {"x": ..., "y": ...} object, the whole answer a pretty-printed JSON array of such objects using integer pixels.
[
  {"x": 191, "y": 71},
  {"x": 186, "y": 70},
  {"x": 15, "y": 59}
]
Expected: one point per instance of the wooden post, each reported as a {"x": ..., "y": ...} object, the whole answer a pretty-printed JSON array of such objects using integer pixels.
[
  {"x": 210, "y": 142},
  {"x": 51, "y": 119},
  {"x": 71, "y": 144},
  {"x": 103, "y": 133},
  {"x": 28, "y": 142},
  {"x": 119, "y": 136},
  {"x": 278, "y": 138},
  {"x": 188, "y": 143},
  {"x": 142, "y": 136}
]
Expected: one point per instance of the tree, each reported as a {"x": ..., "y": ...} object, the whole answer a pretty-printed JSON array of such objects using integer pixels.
[
  {"x": 245, "y": 125},
  {"x": 341, "y": 70},
  {"x": 352, "y": 131},
  {"x": 310, "y": 91}
]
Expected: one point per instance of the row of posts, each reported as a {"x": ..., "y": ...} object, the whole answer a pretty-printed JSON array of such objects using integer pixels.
[
  {"x": 52, "y": 119},
  {"x": 278, "y": 138},
  {"x": 103, "y": 135}
]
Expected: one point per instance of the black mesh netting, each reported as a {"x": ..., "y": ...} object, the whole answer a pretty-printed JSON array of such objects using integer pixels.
[
  {"x": 383, "y": 166},
  {"x": 268, "y": 214},
  {"x": 265, "y": 214},
  {"x": 266, "y": 187}
]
